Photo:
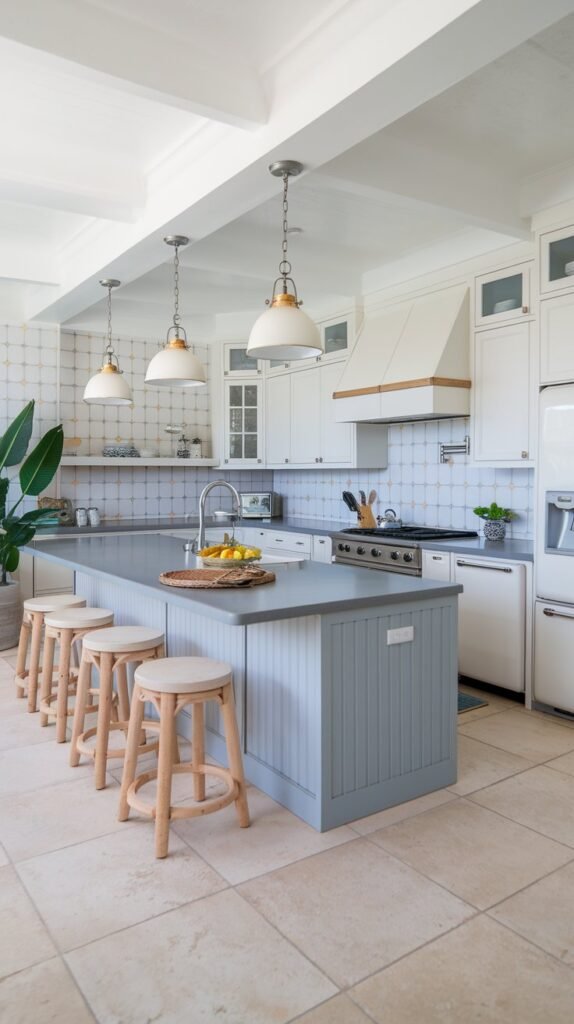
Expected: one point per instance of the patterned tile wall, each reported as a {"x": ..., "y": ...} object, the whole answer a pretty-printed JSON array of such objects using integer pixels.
[
  {"x": 416, "y": 484},
  {"x": 143, "y": 423},
  {"x": 28, "y": 369}
]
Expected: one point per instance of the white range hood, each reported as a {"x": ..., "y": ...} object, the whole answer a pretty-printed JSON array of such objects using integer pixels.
[{"x": 410, "y": 361}]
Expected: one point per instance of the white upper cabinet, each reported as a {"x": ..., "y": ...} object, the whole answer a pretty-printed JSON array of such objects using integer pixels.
[
  {"x": 337, "y": 335},
  {"x": 278, "y": 416},
  {"x": 237, "y": 362},
  {"x": 503, "y": 296},
  {"x": 503, "y": 424},
  {"x": 336, "y": 438},
  {"x": 557, "y": 339},
  {"x": 557, "y": 260},
  {"x": 243, "y": 428},
  {"x": 305, "y": 417}
]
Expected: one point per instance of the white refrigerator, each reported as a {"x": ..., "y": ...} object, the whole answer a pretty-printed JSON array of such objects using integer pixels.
[{"x": 554, "y": 553}]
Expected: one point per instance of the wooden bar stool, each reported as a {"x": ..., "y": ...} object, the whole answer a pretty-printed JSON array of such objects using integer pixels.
[
  {"x": 35, "y": 608},
  {"x": 65, "y": 628},
  {"x": 111, "y": 650},
  {"x": 170, "y": 684}
]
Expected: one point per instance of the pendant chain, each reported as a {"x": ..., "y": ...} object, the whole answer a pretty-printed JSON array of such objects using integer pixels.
[
  {"x": 285, "y": 266},
  {"x": 176, "y": 316},
  {"x": 109, "y": 346}
]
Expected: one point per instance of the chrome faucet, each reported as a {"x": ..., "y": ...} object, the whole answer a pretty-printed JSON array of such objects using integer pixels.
[{"x": 203, "y": 496}]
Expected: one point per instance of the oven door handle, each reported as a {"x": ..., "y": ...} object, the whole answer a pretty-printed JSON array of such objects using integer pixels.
[{"x": 559, "y": 615}]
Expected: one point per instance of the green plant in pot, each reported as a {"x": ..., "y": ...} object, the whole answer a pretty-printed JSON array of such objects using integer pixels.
[
  {"x": 36, "y": 471},
  {"x": 495, "y": 520}
]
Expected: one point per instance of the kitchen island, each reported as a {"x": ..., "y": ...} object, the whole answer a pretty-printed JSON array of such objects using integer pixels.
[{"x": 345, "y": 679}]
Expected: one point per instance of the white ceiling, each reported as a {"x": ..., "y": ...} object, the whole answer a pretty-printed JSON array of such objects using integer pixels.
[{"x": 143, "y": 119}]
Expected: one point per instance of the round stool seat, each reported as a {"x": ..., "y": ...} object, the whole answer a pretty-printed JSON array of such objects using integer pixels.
[
  {"x": 183, "y": 675},
  {"x": 79, "y": 618},
  {"x": 122, "y": 639},
  {"x": 50, "y": 602}
]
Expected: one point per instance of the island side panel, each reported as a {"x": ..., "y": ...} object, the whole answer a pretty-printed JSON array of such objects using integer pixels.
[
  {"x": 282, "y": 748},
  {"x": 130, "y": 606},
  {"x": 191, "y": 634},
  {"x": 389, "y": 711}
]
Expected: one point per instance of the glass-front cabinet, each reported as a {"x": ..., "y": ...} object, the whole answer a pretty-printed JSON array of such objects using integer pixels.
[
  {"x": 503, "y": 296},
  {"x": 557, "y": 260},
  {"x": 243, "y": 422},
  {"x": 336, "y": 337},
  {"x": 237, "y": 362}
]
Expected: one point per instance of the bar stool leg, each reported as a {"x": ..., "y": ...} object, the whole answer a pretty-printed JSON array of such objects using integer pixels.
[
  {"x": 104, "y": 717},
  {"x": 123, "y": 693},
  {"x": 66, "y": 637},
  {"x": 131, "y": 755},
  {"x": 37, "y": 624},
  {"x": 198, "y": 750},
  {"x": 82, "y": 689},
  {"x": 22, "y": 652},
  {"x": 234, "y": 757},
  {"x": 47, "y": 674},
  {"x": 164, "y": 773}
]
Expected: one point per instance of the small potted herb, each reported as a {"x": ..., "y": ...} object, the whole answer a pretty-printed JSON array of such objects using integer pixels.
[
  {"x": 495, "y": 520},
  {"x": 196, "y": 447}
]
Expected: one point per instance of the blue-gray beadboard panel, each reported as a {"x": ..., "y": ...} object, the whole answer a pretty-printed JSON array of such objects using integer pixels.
[{"x": 389, "y": 712}]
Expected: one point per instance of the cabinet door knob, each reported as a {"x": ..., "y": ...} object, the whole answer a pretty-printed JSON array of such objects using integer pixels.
[
  {"x": 286, "y": 460},
  {"x": 524, "y": 455},
  {"x": 259, "y": 460},
  {"x": 226, "y": 460},
  {"x": 525, "y": 309}
]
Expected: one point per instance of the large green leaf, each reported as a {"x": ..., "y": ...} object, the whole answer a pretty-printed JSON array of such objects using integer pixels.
[
  {"x": 38, "y": 514},
  {"x": 18, "y": 534},
  {"x": 43, "y": 461},
  {"x": 4, "y": 484},
  {"x": 14, "y": 443}
]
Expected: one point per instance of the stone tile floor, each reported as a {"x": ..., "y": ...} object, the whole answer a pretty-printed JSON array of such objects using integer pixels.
[{"x": 455, "y": 908}]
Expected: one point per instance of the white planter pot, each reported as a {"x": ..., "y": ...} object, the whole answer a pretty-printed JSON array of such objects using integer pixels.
[{"x": 10, "y": 615}]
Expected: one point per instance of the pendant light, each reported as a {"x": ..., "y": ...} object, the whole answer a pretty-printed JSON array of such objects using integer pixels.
[
  {"x": 283, "y": 331},
  {"x": 175, "y": 366},
  {"x": 107, "y": 386}
]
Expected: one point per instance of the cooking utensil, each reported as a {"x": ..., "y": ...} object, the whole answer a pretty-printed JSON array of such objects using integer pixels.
[
  {"x": 350, "y": 501},
  {"x": 372, "y": 497},
  {"x": 363, "y": 497}
]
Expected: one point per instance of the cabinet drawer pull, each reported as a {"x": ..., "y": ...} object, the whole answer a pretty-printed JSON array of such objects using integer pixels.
[
  {"x": 489, "y": 568},
  {"x": 524, "y": 455},
  {"x": 299, "y": 542},
  {"x": 320, "y": 542},
  {"x": 437, "y": 558},
  {"x": 286, "y": 460},
  {"x": 278, "y": 540},
  {"x": 559, "y": 615},
  {"x": 525, "y": 309}
]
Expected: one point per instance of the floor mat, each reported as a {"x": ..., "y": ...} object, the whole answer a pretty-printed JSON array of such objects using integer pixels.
[{"x": 466, "y": 702}]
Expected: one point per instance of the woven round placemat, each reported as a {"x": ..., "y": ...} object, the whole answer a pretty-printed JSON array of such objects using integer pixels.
[{"x": 217, "y": 579}]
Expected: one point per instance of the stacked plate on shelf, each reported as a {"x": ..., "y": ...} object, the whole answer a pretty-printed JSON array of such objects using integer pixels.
[{"x": 120, "y": 451}]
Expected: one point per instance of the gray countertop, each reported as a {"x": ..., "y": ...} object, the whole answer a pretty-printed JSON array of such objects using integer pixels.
[
  {"x": 301, "y": 588},
  {"x": 517, "y": 550}
]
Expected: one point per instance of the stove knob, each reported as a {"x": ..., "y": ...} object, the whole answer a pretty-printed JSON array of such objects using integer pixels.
[
  {"x": 395, "y": 555},
  {"x": 407, "y": 557},
  {"x": 376, "y": 552},
  {"x": 347, "y": 547},
  {"x": 341, "y": 547},
  {"x": 360, "y": 551}
]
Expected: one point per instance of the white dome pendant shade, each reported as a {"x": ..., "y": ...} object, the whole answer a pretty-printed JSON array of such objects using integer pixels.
[
  {"x": 175, "y": 366},
  {"x": 108, "y": 386},
  {"x": 284, "y": 331}
]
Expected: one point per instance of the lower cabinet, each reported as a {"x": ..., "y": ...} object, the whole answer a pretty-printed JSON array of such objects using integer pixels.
[
  {"x": 504, "y": 420},
  {"x": 38, "y": 577},
  {"x": 553, "y": 646},
  {"x": 492, "y": 621},
  {"x": 437, "y": 565},
  {"x": 322, "y": 549}
]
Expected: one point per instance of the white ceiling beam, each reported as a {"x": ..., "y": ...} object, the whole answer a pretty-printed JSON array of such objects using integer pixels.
[
  {"x": 23, "y": 260},
  {"x": 116, "y": 204},
  {"x": 127, "y": 54},
  {"x": 392, "y": 64}
]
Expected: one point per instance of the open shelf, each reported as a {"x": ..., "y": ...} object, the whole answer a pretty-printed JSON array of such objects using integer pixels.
[{"x": 101, "y": 460}]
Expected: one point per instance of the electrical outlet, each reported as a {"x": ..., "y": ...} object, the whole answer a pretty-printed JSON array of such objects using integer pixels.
[{"x": 403, "y": 635}]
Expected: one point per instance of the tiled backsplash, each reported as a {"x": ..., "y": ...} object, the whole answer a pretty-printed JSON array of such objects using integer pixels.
[
  {"x": 153, "y": 410},
  {"x": 126, "y": 493},
  {"x": 420, "y": 488}
]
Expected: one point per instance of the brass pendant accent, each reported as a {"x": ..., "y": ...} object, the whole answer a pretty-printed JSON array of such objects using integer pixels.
[
  {"x": 176, "y": 343},
  {"x": 109, "y": 368},
  {"x": 284, "y": 299}
]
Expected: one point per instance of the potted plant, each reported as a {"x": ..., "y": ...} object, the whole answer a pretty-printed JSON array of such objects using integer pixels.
[
  {"x": 495, "y": 520},
  {"x": 36, "y": 472}
]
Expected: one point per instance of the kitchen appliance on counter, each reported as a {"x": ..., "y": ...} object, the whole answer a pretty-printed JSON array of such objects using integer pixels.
[
  {"x": 554, "y": 558},
  {"x": 260, "y": 504},
  {"x": 394, "y": 549}
]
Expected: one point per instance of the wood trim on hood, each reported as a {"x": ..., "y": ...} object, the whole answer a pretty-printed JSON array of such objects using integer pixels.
[{"x": 403, "y": 385}]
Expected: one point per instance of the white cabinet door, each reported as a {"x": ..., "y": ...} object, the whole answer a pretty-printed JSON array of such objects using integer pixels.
[
  {"x": 557, "y": 339},
  {"x": 306, "y": 417},
  {"x": 553, "y": 655},
  {"x": 503, "y": 413},
  {"x": 243, "y": 432},
  {"x": 278, "y": 420},
  {"x": 556, "y": 258},
  {"x": 502, "y": 296},
  {"x": 336, "y": 438},
  {"x": 51, "y": 578},
  {"x": 492, "y": 621},
  {"x": 436, "y": 565},
  {"x": 321, "y": 549}
]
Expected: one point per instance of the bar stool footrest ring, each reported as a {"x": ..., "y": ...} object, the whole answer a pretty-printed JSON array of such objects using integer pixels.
[
  {"x": 207, "y": 806},
  {"x": 117, "y": 752}
]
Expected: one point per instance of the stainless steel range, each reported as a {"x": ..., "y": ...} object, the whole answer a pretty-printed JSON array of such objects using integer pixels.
[{"x": 395, "y": 549}]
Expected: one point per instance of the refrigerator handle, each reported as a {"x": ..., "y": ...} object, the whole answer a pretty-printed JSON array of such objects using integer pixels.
[{"x": 559, "y": 615}]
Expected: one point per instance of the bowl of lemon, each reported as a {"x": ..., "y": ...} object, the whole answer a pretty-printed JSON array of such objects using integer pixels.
[{"x": 229, "y": 555}]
